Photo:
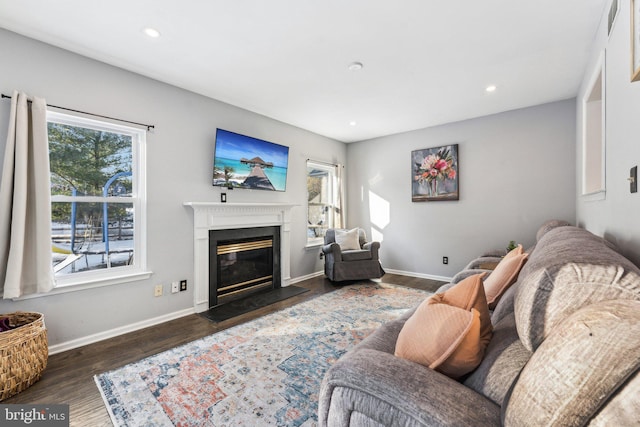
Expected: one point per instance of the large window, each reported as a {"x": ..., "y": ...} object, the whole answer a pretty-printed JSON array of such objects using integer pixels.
[
  {"x": 97, "y": 200},
  {"x": 323, "y": 200}
]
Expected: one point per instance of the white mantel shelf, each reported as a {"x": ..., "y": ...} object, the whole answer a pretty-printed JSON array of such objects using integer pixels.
[
  {"x": 222, "y": 216},
  {"x": 231, "y": 205}
]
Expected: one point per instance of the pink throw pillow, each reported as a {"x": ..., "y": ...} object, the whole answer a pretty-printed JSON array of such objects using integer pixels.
[{"x": 449, "y": 332}]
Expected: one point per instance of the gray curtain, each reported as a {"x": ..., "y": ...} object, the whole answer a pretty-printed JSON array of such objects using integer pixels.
[{"x": 25, "y": 202}]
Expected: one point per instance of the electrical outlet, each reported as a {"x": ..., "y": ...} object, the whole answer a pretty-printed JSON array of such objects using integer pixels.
[
  {"x": 157, "y": 291},
  {"x": 183, "y": 285},
  {"x": 445, "y": 260},
  {"x": 175, "y": 287}
]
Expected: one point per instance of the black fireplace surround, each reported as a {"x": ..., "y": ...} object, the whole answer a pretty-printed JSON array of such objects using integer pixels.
[{"x": 243, "y": 262}]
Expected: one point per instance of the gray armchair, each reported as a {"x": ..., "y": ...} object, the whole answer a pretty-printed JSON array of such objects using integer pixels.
[{"x": 354, "y": 264}]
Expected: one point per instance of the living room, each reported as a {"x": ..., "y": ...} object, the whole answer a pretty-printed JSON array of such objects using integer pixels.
[{"x": 518, "y": 168}]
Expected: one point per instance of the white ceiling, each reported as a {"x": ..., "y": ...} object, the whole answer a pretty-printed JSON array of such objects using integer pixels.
[{"x": 425, "y": 62}]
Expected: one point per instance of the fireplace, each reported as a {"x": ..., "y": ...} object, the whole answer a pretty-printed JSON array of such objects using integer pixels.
[
  {"x": 208, "y": 216},
  {"x": 243, "y": 262}
]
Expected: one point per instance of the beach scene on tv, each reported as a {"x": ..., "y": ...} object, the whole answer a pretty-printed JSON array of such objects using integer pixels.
[{"x": 244, "y": 162}]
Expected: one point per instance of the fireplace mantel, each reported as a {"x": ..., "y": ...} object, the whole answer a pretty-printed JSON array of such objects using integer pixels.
[{"x": 221, "y": 216}]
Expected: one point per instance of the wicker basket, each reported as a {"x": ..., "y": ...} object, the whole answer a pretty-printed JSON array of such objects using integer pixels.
[{"x": 23, "y": 352}]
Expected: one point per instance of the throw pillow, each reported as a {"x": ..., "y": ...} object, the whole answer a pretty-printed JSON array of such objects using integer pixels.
[
  {"x": 469, "y": 294},
  {"x": 449, "y": 331},
  {"x": 348, "y": 240},
  {"x": 503, "y": 276},
  {"x": 513, "y": 252}
]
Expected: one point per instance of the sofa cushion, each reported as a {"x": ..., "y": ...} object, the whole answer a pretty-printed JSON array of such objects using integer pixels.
[
  {"x": 503, "y": 360},
  {"x": 449, "y": 331},
  {"x": 504, "y": 275},
  {"x": 623, "y": 408},
  {"x": 505, "y": 305},
  {"x": 398, "y": 392},
  {"x": 578, "y": 367},
  {"x": 348, "y": 240},
  {"x": 548, "y": 226},
  {"x": 569, "y": 269}
]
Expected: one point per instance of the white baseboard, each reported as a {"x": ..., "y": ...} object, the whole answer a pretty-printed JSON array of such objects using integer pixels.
[
  {"x": 420, "y": 275},
  {"x": 100, "y": 336},
  {"x": 388, "y": 270},
  {"x": 306, "y": 277},
  {"x": 90, "y": 339}
]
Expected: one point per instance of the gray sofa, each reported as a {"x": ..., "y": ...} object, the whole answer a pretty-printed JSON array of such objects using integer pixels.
[{"x": 565, "y": 351}]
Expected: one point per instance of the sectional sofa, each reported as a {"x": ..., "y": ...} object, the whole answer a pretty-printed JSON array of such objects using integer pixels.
[{"x": 564, "y": 351}]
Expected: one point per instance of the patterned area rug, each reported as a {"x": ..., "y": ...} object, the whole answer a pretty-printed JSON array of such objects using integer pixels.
[{"x": 264, "y": 372}]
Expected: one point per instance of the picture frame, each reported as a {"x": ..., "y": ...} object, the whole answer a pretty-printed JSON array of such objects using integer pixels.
[
  {"x": 635, "y": 40},
  {"x": 435, "y": 174}
]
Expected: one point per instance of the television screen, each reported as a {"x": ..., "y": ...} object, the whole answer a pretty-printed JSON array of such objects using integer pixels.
[{"x": 244, "y": 162}]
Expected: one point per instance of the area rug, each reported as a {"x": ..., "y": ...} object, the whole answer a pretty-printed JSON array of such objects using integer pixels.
[{"x": 264, "y": 372}]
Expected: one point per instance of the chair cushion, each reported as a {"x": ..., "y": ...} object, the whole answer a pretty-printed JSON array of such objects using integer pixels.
[
  {"x": 358, "y": 255},
  {"x": 348, "y": 240},
  {"x": 449, "y": 331}
]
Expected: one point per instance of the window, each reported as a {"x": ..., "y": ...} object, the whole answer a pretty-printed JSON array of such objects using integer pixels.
[
  {"x": 323, "y": 200},
  {"x": 593, "y": 136},
  {"x": 97, "y": 200}
]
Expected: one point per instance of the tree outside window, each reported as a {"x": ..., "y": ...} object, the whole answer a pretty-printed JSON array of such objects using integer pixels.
[{"x": 94, "y": 194}]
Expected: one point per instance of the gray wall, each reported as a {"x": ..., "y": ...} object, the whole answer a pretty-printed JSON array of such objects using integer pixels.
[
  {"x": 615, "y": 217},
  {"x": 179, "y": 160},
  {"x": 516, "y": 171}
]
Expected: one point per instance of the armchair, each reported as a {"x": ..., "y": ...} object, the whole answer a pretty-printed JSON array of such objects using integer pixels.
[{"x": 346, "y": 263}]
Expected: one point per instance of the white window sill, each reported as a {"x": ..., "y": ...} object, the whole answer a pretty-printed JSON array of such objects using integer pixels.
[
  {"x": 83, "y": 283},
  {"x": 314, "y": 244},
  {"x": 595, "y": 196}
]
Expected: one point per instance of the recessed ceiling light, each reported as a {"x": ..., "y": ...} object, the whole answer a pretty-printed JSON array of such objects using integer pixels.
[
  {"x": 355, "y": 66},
  {"x": 491, "y": 88},
  {"x": 152, "y": 32},
  {"x": 352, "y": 123}
]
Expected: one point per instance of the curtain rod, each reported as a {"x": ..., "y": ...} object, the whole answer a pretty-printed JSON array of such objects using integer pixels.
[
  {"x": 149, "y": 127},
  {"x": 324, "y": 163}
]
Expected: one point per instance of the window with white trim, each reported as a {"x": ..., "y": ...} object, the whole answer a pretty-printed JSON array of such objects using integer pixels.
[
  {"x": 98, "y": 206},
  {"x": 594, "y": 136},
  {"x": 323, "y": 201}
]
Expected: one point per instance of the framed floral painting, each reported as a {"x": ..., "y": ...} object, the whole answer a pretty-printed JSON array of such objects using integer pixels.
[{"x": 434, "y": 174}]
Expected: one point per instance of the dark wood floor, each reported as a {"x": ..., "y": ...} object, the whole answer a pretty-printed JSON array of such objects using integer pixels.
[{"x": 69, "y": 376}]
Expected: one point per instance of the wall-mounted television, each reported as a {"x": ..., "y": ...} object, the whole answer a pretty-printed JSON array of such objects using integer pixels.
[{"x": 241, "y": 161}]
